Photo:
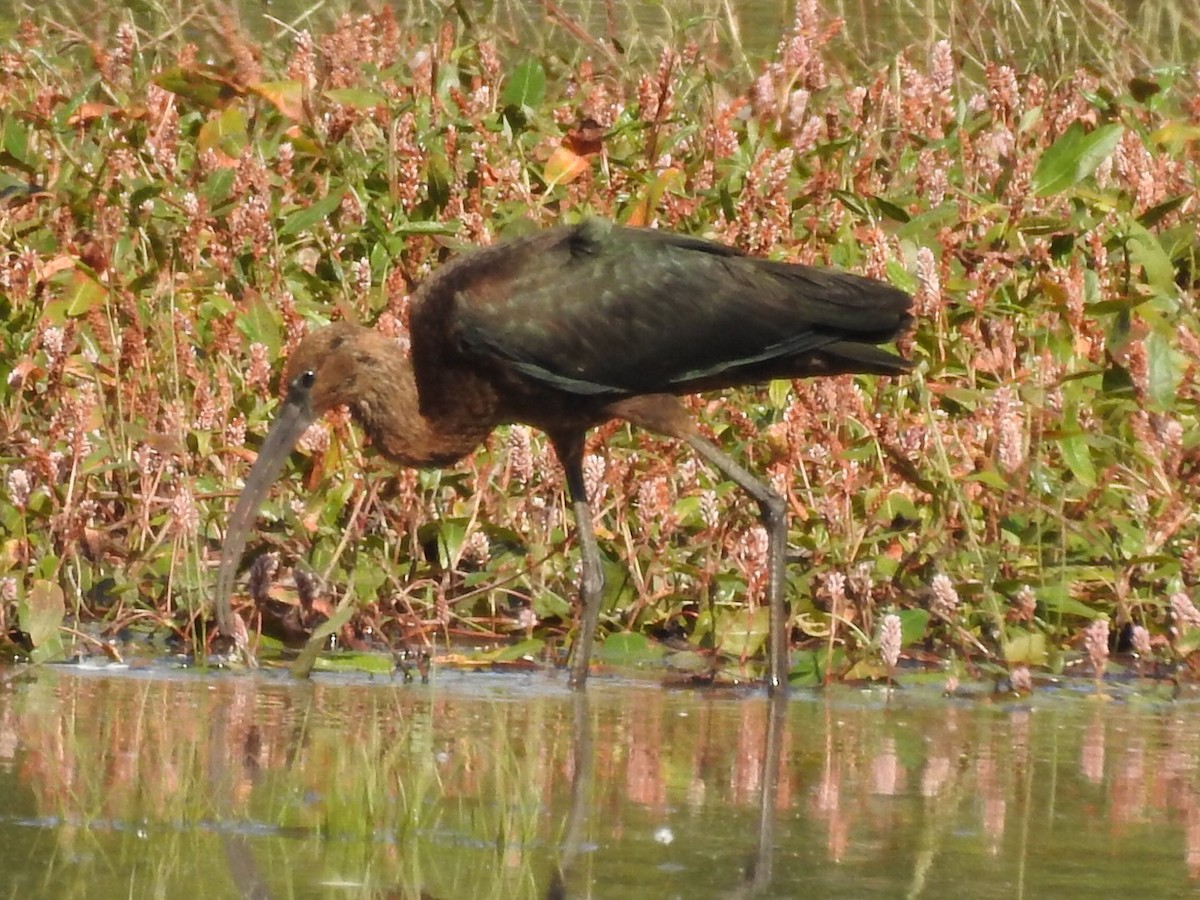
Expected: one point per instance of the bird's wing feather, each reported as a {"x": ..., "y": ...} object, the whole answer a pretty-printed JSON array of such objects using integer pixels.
[{"x": 597, "y": 309}]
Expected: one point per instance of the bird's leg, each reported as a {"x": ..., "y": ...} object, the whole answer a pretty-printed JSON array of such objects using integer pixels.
[
  {"x": 773, "y": 509},
  {"x": 591, "y": 584}
]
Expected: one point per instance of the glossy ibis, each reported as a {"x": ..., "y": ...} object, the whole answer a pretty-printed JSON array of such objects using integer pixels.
[{"x": 566, "y": 329}]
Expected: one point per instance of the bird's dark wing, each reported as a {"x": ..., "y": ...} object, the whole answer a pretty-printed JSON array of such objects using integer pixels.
[{"x": 600, "y": 309}]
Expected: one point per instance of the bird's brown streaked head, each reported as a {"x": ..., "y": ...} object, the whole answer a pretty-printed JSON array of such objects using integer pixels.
[
  {"x": 319, "y": 376},
  {"x": 329, "y": 360}
]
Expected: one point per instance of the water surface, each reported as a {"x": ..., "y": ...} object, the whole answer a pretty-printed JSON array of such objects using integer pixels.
[{"x": 119, "y": 783}]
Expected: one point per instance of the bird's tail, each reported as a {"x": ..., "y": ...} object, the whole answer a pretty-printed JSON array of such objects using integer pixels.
[{"x": 854, "y": 356}]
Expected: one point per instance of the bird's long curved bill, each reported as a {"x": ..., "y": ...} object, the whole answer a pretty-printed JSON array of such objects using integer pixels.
[{"x": 294, "y": 417}]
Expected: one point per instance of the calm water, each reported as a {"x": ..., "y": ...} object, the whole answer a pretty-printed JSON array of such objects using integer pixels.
[{"x": 153, "y": 784}]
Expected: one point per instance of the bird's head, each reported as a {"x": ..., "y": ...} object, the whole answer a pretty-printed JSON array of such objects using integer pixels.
[{"x": 322, "y": 373}]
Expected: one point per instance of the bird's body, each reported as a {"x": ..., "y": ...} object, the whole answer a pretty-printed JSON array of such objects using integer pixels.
[{"x": 566, "y": 329}]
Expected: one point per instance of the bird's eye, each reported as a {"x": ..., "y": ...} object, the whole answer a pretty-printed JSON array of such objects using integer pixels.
[{"x": 306, "y": 378}]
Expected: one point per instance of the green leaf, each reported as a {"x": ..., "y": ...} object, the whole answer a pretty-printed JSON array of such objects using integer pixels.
[
  {"x": 627, "y": 648},
  {"x": 1057, "y": 599},
  {"x": 356, "y": 661},
  {"x": 1077, "y": 454},
  {"x": 1147, "y": 252},
  {"x": 806, "y": 669},
  {"x": 1175, "y": 136},
  {"x": 225, "y": 131},
  {"x": 357, "y": 98},
  {"x": 1165, "y": 369},
  {"x": 15, "y": 145},
  {"x": 1187, "y": 643},
  {"x": 405, "y": 228},
  {"x": 897, "y": 504},
  {"x": 83, "y": 294},
  {"x": 547, "y": 604},
  {"x": 260, "y": 324},
  {"x": 526, "y": 86},
  {"x": 531, "y": 648},
  {"x": 777, "y": 392},
  {"x": 306, "y": 218},
  {"x": 204, "y": 85},
  {"x": 1025, "y": 648},
  {"x": 368, "y": 580},
  {"x": 1074, "y": 156},
  {"x": 619, "y": 592},
  {"x": 1158, "y": 212},
  {"x": 913, "y": 623},
  {"x": 40, "y": 615},
  {"x": 217, "y": 186},
  {"x": 742, "y": 632}
]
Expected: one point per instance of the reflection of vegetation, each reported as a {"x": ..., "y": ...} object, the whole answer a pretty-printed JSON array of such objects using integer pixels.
[
  {"x": 464, "y": 790},
  {"x": 1037, "y": 474}
]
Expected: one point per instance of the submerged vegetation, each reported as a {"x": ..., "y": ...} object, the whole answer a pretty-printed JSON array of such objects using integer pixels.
[{"x": 171, "y": 228}]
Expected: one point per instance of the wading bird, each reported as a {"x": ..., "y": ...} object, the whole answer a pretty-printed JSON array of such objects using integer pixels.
[{"x": 568, "y": 328}]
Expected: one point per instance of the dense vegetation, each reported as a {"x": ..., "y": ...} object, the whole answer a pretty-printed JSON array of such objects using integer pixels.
[{"x": 171, "y": 228}]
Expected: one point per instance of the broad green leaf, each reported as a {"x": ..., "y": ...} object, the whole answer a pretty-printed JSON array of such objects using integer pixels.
[
  {"x": 1159, "y": 211},
  {"x": 40, "y": 616},
  {"x": 1165, "y": 369},
  {"x": 1077, "y": 454},
  {"x": 1057, "y": 599},
  {"x": 1188, "y": 642},
  {"x": 619, "y": 592},
  {"x": 1174, "y": 135},
  {"x": 260, "y": 324},
  {"x": 806, "y": 668},
  {"x": 526, "y": 86},
  {"x": 889, "y": 210},
  {"x": 913, "y": 623},
  {"x": 356, "y": 661},
  {"x": 368, "y": 580},
  {"x": 742, "y": 632},
  {"x": 357, "y": 98},
  {"x": 16, "y": 143},
  {"x": 417, "y": 227},
  {"x": 83, "y": 294},
  {"x": 897, "y": 504},
  {"x": 1146, "y": 251},
  {"x": 628, "y": 648},
  {"x": 1025, "y": 648},
  {"x": 991, "y": 477},
  {"x": 866, "y": 670},
  {"x": 204, "y": 86},
  {"x": 306, "y": 218},
  {"x": 1074, "y": 156},
  {"x": 900, "y": 276},
  {"x": 218, "y": 186},
  {"x": 527, "y": 649},
  {"x": 225, "y": 131},
  {"x": 778, "y": 391},
  {"x": 1029, "y": 119},
  {"x": 547, "y": 604}
]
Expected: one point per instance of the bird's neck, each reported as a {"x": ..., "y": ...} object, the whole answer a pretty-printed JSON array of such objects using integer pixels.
[{"x": 389, "y": 412}]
